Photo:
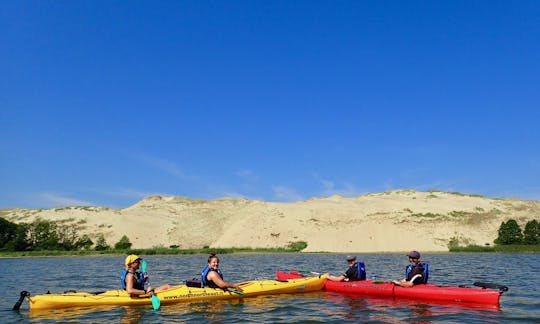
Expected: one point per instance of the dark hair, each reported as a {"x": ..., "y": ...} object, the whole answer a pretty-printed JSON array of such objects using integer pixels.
[{"x": 211, "y": 256}]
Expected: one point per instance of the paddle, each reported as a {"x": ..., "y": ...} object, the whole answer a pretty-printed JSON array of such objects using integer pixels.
[
  {"x": 490, "y": 285},
  {"x": 308, "y": 272},
  {"x": 235, "y": 291},
  {"x": 143, "y": 269},
  {"x": 156, "y": 303},
  {"x": 17, "y": 305}
]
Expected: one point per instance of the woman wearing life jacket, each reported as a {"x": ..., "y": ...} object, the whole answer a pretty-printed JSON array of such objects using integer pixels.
[
  {"x": 416, "y": 272},
  {"x": 356, "y": 271},
  {"x": 133, "y": 280},
  {"x": 212, "y": 277}
]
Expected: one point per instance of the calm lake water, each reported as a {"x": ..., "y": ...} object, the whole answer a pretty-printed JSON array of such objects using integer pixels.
[{"x": 520, "y": 272}]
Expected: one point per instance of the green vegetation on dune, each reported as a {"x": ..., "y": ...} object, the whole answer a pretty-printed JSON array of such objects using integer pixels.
[
  {"x": 49, "y": 238},
  {"x": 472, "y": 218},
  {"x": 152, "y": 251},
  {"x": 510, "y": 239},
  {"x": 497, "y": 248}
]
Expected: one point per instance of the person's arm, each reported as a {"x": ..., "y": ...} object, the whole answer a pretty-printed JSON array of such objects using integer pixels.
[
  {"x": 405, "y": 283},
  {"x": 339, "y": 278},
  {"x": 410, "y": 283},
  {"x": 130, "y": 278},
  {"x": 216, "y": 278},
  {"x": 348, "y": 274},
  {"x": 402, "y": 282}
]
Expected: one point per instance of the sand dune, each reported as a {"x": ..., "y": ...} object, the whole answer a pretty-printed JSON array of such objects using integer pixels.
[{"x": 391, "y": 221}]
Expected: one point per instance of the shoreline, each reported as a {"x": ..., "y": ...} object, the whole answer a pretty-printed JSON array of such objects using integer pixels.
[{"x": 519, "y": 249}]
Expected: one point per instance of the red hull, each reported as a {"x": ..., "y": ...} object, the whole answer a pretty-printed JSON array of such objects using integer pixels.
[{"x": 420, "y": 292}]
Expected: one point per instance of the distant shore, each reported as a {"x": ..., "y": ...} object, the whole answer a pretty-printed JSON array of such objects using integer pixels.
[
  {"x": 468, "y": 249},
  {"x": 161, "y": 251}
]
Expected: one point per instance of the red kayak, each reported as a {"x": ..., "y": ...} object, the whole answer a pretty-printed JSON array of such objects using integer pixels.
[{"x": 419, "y": 292}]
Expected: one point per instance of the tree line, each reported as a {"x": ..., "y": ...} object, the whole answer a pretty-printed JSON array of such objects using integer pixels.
[
  {"x": 42, "y": 235},
  {"x": 511, "y": 234}
]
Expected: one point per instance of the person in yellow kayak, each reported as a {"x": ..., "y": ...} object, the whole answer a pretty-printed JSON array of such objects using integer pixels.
[
  {"x": 416, "y": 272},
  {"x": 133, "y": 280},
  {"x": 355, "y": 272},
  {"x": 212, "y": 276}
]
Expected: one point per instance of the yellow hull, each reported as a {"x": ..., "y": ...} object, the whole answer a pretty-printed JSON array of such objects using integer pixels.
[{"x": 176, "y": 294}]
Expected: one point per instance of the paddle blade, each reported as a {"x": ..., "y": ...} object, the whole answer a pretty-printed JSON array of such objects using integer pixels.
[
  {"x": 143, "y": 269},
  {"x": 308, "y": 273},
  {"x": 238, "y": 292},
  {"x": 143, "y": 266},
  {"x": 156, "y": 303},
  {"x": 490, "y": 285}
]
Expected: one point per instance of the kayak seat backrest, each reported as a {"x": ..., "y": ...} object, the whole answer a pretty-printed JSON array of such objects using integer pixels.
[{"x": 194, "y": 283}]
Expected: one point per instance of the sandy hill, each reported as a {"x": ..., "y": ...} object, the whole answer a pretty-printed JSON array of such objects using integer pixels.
[{"x": 390, "y": 221}]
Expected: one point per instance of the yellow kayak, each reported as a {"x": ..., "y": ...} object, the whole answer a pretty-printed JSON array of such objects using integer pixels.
[{"x": 176, "y": 294}]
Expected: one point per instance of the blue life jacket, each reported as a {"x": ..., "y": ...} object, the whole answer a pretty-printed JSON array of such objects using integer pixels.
[
  {"x": 361, "y": 270},
  {"x": 205, "y": 281},
  {"x": 139, "y": 280},
  {"x": 424, "y": 267}
]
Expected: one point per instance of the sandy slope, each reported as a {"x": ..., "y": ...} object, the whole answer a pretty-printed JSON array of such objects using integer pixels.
[{"x": 391, "y": 221}]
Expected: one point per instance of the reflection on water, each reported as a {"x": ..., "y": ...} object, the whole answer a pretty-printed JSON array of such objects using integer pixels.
[
  {"x": 67, "y": 314},
  {"x": 132, "y": 314},
  {"x": 38, "y": 275},
  {"x": 390, "y": 310}
]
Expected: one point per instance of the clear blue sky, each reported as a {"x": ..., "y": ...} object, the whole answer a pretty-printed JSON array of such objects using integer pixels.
[{"x": 106, "y": 102}]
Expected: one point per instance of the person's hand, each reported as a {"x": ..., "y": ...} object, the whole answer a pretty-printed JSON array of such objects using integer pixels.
[
  {"x": 149, "y": 289},
  {"x": 235, "y": 286}
]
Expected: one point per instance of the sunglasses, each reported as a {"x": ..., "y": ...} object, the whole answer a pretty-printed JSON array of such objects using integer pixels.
[{"x": 413, "y": 258}]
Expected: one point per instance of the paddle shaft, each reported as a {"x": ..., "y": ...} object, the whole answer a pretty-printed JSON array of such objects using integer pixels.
[
  {"x": 156, "y": 303},
  {"x": 17, "y": 305}
]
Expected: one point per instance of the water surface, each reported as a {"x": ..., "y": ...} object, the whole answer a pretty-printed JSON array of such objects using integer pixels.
[{"x": 57, "y": 274}]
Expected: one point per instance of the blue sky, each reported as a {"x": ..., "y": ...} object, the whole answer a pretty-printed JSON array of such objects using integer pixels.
[{"x": 106, "y": 102}]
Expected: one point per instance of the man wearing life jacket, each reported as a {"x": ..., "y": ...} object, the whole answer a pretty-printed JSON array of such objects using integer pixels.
[
  {"x": 355, "y": 272},
  {"x": 132, "y": 280},
  {"x": 212, "y": 277},
  {"x": 416, "y": 272}
]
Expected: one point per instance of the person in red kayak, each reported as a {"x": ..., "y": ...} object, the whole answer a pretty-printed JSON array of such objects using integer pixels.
[
  {"x": 416, "y": 272},
  {"x": 355, "y": 272}
]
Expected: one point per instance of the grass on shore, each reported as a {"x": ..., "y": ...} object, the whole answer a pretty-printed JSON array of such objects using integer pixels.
[
  {"x": 497, "y": 248},
  {"x": 151, "y": 251},
  {"x": 206, "y": 250}
]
